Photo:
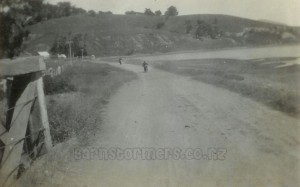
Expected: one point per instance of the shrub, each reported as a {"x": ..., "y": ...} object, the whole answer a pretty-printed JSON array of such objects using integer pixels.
[
  {"x": 160, "y": 25},
  {"x": 158, "y": 13},
  {"x": 148, "y": 12},
  {"x": 132, "y": 13},
  {"x": 189, "y": 26},
  {"x": 58, "y": 84},
  {"x": 92, "y": 13}
]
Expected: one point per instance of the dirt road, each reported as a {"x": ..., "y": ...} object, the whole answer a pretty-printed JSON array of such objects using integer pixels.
[{"x": 163, "y": 110}]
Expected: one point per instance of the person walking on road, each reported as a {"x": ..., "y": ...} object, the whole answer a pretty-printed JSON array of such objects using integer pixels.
[
  {"x": 120, "y": 61},
  {"x": 145, "y": 65}
]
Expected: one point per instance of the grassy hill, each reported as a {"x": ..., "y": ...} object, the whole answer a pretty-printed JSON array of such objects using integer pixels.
[{"x": 131, "y": 34}]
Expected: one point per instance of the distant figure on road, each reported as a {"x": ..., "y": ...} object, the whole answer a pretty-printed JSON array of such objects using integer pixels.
[
  {"x": 145, "y": 65},
  {"x": 120, "y": 61}
]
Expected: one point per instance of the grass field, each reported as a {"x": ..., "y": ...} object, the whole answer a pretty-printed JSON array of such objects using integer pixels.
[
  {"x": 76, "y": 98},
  {"x": 272, "y": 81}
]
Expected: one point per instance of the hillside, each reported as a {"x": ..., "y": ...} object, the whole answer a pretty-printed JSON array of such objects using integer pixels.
[{"x": 107, "y": 35}]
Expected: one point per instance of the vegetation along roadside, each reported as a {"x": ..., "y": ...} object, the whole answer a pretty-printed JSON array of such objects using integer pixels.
[{"x": 76, "y": 98}]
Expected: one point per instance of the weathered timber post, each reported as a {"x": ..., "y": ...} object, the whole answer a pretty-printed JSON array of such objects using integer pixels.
[{"x": 26, "y": 117}]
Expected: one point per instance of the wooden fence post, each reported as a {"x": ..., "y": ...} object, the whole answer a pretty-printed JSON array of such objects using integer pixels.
[
  {"x": 26, "y": 93},
  {"x": 43, "y": 113}
]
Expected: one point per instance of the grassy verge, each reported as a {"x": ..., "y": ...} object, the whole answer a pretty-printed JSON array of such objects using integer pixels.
[
  {"x": 75, "y": 101},
  {"x": 267, "y": 81},
  {"x": 76, "y": 98}
]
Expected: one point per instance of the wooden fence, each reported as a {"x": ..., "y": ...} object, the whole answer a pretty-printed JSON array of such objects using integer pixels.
[
  {"x": 26, "y": 134},
  {"x": 57, "y": 70}
]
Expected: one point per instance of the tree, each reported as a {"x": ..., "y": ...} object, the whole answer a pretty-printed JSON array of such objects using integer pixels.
[
  {"x": 130, "y": 12},
  {"x": 16, "y": 14},
  {"x": 171, "y": 11},
  {"x": 59, "y": 46},
  {"x": 78, "y": 47},
  {"x": 92, "y": 13},
  {"x": 189, "y": 26},
  {"x": 65, "y": 8},
  {"x": 12, "y": 30},
  {"x": 203, "y": 30},
  {"x": 78, "y": 10},
  {"x": 148, "y": 12},
  {"x": 158, "y": 13},
  {"x": 36, "y": 10},
  {"x": 48, "y": 11},
  {"x": 215, "y": 32}
]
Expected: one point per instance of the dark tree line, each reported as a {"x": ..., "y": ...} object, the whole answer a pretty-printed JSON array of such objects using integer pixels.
[
  {"x": 204, "y": 29},
  {"x": 15, "y": 15},
  {"x": 44, "y": 11},
  {"x": 12, "y": 28},
  {"x": 133, "y": 13},
  {"x": 12, "y": 34},
  {"x": 78, "y": 45},
  {"x": 171, "y": 11},
  {"x": 148, "y": 12}
]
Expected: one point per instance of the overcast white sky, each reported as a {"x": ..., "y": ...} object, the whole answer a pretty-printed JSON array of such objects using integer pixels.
[{"x": 284, "y": 11}]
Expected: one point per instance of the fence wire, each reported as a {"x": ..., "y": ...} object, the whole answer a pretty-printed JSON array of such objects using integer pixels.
[
  {"x": 18, "y": 141},
  {"x": 20, "y": 104}
]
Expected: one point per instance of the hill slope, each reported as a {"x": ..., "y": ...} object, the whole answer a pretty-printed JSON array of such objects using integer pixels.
[{"x": 129, "y": 34}]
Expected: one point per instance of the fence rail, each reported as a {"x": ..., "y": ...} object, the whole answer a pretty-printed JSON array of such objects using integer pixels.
[
  {"x": 56, "y": 67},
  {"x": 26, "y": 134}
]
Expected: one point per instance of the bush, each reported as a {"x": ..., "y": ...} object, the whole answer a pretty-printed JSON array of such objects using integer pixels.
[
  {"x": 132, "y": 13},
  {"x": 206, "y": 30},
  {"x": 92, "y": 13},
  {"x": 158, "y": 13},
  {"x": 58, "y": 84},
  {"x": 160, "y": 25},
  {"x": 130, "y": 52},
  {"x": 189, "y": 26},
  {"x": 78, "y": 114},
  {"x": 148, "y": 12}
]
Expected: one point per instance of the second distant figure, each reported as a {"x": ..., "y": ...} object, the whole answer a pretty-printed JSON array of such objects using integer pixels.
[{"x": 145, "y": 65}]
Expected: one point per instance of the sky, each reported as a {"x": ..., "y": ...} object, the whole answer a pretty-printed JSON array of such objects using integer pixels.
[{"x": 282, "y": 11}]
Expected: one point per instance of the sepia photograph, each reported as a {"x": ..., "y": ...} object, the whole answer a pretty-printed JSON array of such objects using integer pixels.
[{"x": 149, "y": 93}]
